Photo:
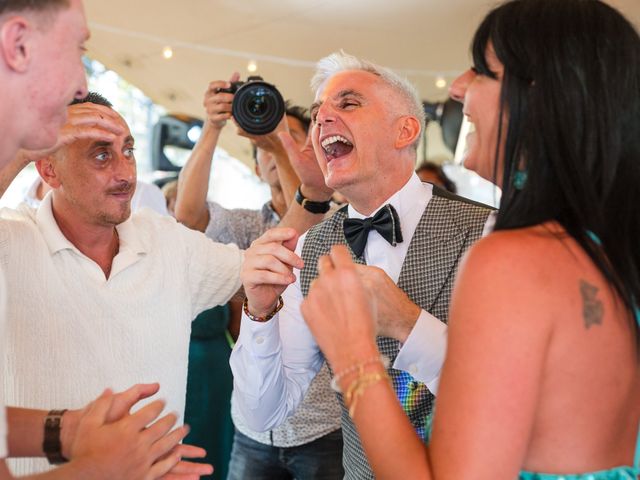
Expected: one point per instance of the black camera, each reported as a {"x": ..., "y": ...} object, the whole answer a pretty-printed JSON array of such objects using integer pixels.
[{"x": 257, "y": 105}]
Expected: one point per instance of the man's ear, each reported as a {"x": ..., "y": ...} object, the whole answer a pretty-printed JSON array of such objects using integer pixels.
[
  {"x": 408, "y": 131},
  {"x": 47, "y": 169},
  {"x": 16, "y": 35},
  {"x": 257, "y": 169}
]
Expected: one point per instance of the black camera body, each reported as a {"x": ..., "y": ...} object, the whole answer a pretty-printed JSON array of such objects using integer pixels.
[{"x": 257, "y": 105}]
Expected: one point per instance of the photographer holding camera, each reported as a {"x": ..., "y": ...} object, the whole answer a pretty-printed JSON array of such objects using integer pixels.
[
  {"x": 272, "y": 166},
  {"x": 309, "y": 444}
]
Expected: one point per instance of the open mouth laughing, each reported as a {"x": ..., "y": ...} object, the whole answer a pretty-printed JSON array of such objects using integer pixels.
[{"x": 336, "y": 146}]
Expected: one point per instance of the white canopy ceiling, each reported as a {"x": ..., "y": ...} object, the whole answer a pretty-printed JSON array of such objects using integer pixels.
[{"x": 210, "y": 39}]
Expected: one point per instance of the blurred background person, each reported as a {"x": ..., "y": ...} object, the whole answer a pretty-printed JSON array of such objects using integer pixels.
[{"x": 433, "y": 173}]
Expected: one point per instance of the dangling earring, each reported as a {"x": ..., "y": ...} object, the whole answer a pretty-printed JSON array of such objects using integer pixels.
[{"x": 519, "y": 179}]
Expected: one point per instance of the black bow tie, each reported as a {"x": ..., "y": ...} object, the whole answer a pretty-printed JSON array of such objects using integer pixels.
[{"x": 385, "y": 222}]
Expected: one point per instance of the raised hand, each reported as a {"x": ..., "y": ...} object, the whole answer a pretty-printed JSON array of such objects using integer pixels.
[
  {"x": 268, "y": 269},
  {"x": 138, "y": 446},
  {"x": 396, "y": 314},
  {"x": 218, "y": 104},
  {"x": 306, "y": 167},
  {"x": 85, "y": 121},
  {"x": 340, "y": 312},
  {"x": 269, "y": 142}
]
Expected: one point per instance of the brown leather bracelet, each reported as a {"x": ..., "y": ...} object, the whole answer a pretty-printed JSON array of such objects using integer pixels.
[{"x": 52, "y": 446}]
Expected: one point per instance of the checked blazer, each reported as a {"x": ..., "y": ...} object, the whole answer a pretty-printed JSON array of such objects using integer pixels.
[{"x": 447, "y": 228}]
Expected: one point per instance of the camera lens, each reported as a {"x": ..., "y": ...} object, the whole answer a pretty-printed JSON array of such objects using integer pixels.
[{"x": 258, "y": 107}]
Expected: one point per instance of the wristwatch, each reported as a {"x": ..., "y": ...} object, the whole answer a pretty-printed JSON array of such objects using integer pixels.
[
  {"x": 310, "y": 205},
  {"x": 51, "y": 445}
]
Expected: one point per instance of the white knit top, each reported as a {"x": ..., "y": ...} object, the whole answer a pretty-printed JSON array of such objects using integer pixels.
[
  {"x": 3, "y": 421},
  {"x": 72, "y": 333}
]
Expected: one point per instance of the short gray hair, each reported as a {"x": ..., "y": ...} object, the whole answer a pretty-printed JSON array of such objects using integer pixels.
[{"x": 342, "y": 61}]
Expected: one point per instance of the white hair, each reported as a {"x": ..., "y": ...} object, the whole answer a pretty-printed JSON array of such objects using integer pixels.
[{"x": 342, "y": 61}]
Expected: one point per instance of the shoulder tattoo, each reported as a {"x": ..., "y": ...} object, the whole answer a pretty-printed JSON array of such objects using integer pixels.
[{"x": 592, "y": 309}]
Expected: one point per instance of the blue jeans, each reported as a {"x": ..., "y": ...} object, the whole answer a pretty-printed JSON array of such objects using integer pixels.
[{"x": 317, "y": 460}]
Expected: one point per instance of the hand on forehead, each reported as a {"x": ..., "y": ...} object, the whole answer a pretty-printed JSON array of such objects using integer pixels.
[{"x": 95, "y": 122}]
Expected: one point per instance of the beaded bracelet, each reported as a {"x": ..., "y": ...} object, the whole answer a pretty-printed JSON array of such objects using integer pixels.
[
  {"x": 358, "y": 387},
  {"x": 358, "y": 367},
  {"x": 245, "y": 309}
]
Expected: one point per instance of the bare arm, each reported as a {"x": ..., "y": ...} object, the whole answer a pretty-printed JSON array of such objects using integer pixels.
[
  {"x": 490, "y": 384},
  {"x": 11, "y": 171},
  {"x": 193, "y": 182},
  {"x": 340, "y": 313},
  {"x": 104, "y": 441}
]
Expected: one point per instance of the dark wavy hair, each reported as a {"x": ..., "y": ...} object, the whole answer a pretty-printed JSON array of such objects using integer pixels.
[{"x": 571, "y": 91}]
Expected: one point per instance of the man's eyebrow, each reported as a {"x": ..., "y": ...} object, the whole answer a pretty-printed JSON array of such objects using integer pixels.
[
  {"x": 341, "y": 94},
  {"x": 102, "y": 143},
  {"x": 315, "y": 106},
  {"x": 349, "y": 93}
]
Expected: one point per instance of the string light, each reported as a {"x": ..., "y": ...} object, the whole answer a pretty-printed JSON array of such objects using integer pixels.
[
  {"x": 441, "y": 82},
  {"x": 252, "y": 66},
  {"x": 278, "y": 60},
  {"x": 167, "y": 52}
]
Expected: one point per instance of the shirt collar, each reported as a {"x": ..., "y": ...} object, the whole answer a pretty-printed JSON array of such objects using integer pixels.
[
  {"x": 53, "y": 236},
  {"x": 404, "y": 200},
  {"x": 130, "y": 241}
]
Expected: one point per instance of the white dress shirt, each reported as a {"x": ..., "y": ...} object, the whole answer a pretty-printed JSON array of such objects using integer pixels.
[{"x": 274, "y": 362}]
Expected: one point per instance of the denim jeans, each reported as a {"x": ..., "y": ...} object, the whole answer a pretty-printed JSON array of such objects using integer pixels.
[{"x": 317, "y": 460}]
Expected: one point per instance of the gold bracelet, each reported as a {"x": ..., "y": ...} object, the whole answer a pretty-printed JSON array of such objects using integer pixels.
[
  {"x": 358, "y": 387},
  {"x": 358, "y": 367},
  {"x": 245, "y": 309}
]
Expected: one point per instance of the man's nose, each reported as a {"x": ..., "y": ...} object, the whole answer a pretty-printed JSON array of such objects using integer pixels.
[
  {"x": 82, "y": 88},
  {"x": 325, "y": 114},
  {"x": 125, "y": 168}
]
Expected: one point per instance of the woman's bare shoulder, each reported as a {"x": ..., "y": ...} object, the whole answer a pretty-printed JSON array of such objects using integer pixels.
[{"x": 533, "y": 249}]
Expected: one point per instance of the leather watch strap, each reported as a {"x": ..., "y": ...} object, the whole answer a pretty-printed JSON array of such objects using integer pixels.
[
  {"x": 310, "y": 205},
  {"x": 52, "y": 446}
]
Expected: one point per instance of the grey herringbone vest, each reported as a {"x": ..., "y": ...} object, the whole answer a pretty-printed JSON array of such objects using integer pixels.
[{"x": 449, "y": 225}]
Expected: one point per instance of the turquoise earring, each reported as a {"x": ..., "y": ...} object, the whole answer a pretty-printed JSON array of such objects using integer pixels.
[{"x": 519, "y": 179}]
